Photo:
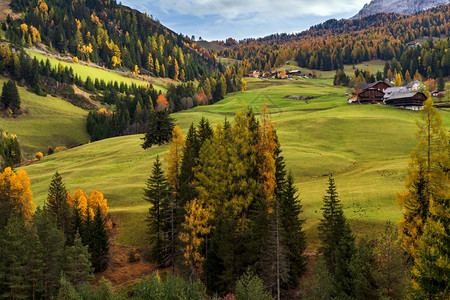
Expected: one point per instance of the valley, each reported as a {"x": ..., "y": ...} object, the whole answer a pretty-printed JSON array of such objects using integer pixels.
[{"x": 366, "y": 147}]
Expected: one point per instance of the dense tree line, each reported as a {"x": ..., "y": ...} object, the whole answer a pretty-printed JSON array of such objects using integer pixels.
[
  {"x": 214, "y": 217},
  {"x": 109, "y": 34},
  {"x": 66, "y": 238},
  {"x": 332, "y": 44}
]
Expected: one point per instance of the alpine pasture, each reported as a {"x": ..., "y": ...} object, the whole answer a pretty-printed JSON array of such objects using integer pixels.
[{"x": 365, "y": 147}]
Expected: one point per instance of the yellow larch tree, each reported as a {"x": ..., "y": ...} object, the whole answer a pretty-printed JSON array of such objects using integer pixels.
[
  {"x": 15, "y": 195},
  {"x": 265, "y": 148},
  {"x": 173, "y": 158},
  {"x": 195, "y": 227},
  {"x": 427, "y": 176}
]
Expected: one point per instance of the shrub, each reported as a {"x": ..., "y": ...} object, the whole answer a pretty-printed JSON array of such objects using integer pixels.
[
  {"x": 39, "y": 155},
  {"x": 250, "y": 286}
]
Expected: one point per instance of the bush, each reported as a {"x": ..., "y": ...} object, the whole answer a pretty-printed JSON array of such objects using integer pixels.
[
  {"x": 39, "y": 155},
  {"x": 251, "y": 287}
]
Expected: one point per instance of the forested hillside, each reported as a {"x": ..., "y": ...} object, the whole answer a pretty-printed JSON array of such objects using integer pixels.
[
  {"x": 110, "y": 34},
  {"x": 330, "y": 45}
]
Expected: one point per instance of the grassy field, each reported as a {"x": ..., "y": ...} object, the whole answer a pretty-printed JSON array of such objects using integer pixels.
[
  {"x": 84, "y": 71},
  {"x": 50, "y": 121},
  {"x": 366, "y": 147},
  {"x": 328, "y": 76}
]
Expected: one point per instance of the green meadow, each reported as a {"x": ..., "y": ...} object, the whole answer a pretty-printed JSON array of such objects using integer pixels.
[
  {"x": 49, "y": 121},
  {"x": 94, "y": 72},
  {"x": 365, "y": 147}
]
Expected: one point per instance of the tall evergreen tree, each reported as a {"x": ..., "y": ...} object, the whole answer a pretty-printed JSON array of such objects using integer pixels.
[
  {"x": 78, "y": 267},
  {"x": 157, "y": 193},
  {"x": 204, "y": 130},
  {"x": 337, "y": 242},
  {"x": 10, "y": 97},
  {"x": 188, "y": 163},
  {"x": 52, "y": 241},
  {"x": 159, "y": 130},
  {"x": 99, "y": 243},
  {"x": 295, "y": 239},
  {"x": 15, "y": 256},
  {"x": 57, "y": 204}
]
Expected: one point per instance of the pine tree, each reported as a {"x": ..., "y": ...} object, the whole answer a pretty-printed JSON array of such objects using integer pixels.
[
  {"x": 159, "y": 130},
  {"x": 57, "y": 204},
  {"x": 337, "y": 242},
  {"x": 99, "y": 243},
  {"x": 204, "y": 131},
  {"x": 78, "y": 266},
  {"x": 331, "y": 226},
  {"x": 10, "y": 97},
  {"x": 52, "y": 241},
  {"x": 15, "y": 255},
  {"x": 295, "y": 240},
  {"x": 188, "y": 163},
  {"x": 157, "y": 193}
]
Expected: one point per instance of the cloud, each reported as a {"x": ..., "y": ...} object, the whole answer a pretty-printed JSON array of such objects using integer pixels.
[{"x": 239, "y": 9}]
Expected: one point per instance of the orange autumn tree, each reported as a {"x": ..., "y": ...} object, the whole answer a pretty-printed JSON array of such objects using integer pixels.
[
  {"x": 83, "y": 203},
  {"x": 161, "y": 103},
  {"x": 15, "y": 195}
]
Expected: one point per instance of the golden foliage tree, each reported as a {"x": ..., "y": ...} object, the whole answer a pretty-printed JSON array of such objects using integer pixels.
[
  {"x": 266, "y": 148},
  {"x": 195, "y": 228},
  {"x": 15, "y": 195},
  {"x": 431, "y": 271},
  {"x": 427, "y": 176}
]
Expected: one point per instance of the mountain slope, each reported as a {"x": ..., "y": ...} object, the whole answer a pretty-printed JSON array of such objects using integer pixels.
[{"x": 405, "y": 7}]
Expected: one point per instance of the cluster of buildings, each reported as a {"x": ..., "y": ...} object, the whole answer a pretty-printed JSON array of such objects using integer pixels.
[
  {"x": 408, "y": 96},
  {"x": 287, "y": 74}
]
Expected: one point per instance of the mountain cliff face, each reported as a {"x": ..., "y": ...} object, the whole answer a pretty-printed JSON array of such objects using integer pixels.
[{"x": 406, "y": 7}]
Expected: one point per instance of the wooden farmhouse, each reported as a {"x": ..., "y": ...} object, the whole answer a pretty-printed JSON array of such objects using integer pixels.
[
  {"x": 380, "y": 92},
  {"x": 373, "y": 93}
]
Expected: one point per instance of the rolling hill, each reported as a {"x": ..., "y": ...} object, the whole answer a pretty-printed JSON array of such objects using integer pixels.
[
  {"x": 50, "y": 121},
  {"x": 366, "y": 147}
]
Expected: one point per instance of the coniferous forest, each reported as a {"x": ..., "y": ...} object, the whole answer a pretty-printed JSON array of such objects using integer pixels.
[{"x": 194, "y": 174}]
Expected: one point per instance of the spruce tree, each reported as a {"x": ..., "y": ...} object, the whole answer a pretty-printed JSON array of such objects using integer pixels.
[
  {"x": 99, "y": 243},
  {"x": 295, "y": 239},
  {"x": 159, "y": 130},
  {"x": 188, "y": 163},
  {"x": 157, "y": 193},
  {"x": 10, "y": 96},
  {"x": 204, "y": 130},
  {"x": 15, "y": 255},
  {"x": 337, "y": 242},
  {"x": 57, "y": 204},
  {"x": 331, "y": 226},
  {"x": 52, "y": 241},
  {"x": 78, "y": 268}
]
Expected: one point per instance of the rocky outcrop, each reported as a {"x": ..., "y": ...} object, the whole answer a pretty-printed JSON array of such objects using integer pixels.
[{"x": 406, "y": 7}]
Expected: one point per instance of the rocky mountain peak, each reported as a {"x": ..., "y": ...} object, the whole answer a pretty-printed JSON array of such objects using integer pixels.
[{"x": 406, "y": 7}]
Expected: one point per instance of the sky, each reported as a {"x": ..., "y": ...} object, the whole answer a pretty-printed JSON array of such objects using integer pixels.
[{"x": 239, "y": 19}]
